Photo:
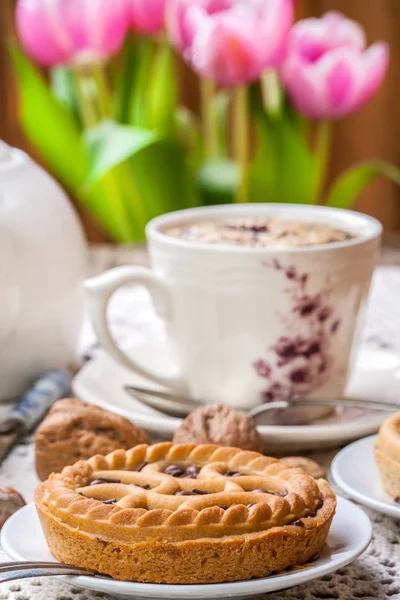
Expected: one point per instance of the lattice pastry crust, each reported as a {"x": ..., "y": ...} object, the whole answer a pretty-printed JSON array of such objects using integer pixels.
[
  {"x": 387, "y": 455},
  {"x": 181, "y": 513}
]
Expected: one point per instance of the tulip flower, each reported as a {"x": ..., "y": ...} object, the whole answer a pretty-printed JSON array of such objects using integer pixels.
[
  {"x": 147, "y": 16},
  {"x": 71, "y": 32},
  {"x": 230, "y": 41},
  {"x": 329, "y": 72}
]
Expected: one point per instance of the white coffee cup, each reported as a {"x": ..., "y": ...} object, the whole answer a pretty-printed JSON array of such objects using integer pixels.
[{"x": 249, "y": 325}]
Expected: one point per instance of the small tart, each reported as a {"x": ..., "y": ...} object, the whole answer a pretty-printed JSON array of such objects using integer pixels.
[
  {"x": 387, "y": 455},
  {"x": 183, "y": 513}
]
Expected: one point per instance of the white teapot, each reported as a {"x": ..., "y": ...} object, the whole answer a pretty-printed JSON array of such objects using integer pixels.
[{"x": 42, "y": 269}]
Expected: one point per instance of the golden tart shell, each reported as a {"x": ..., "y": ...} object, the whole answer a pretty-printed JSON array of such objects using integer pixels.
[{"x": 226, "y": 514}]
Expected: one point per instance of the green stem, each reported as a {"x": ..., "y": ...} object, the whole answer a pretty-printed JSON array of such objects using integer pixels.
[
  {"x": 323, "y": 142},
  {"x": 103, "y": 92},
  {"x": 86, "y": 99},
  {"x": 162, "y": 90},
  {"x": 241, "y": 139},
  {"x": 122, "y": 173},
  {"x": 115, "y": 207},
  {"x": 138, "y": 108},
  {"x": 271, "y": 92},
  {"x": 115, "y": 183},
  {"x": 210, "y": 135}
]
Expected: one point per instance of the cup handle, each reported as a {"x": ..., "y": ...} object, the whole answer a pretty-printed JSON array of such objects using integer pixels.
[{"x": 99, "y": 291}]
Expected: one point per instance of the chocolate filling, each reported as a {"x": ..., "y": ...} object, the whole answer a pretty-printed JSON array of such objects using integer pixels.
[
  {"x": 194, "y": 492},
  {"x": 141, "y": 466},
  {"x": 104, "y": 480},
  {"x": 190, "y": 472},
  {"x": 298, "y": 523}
]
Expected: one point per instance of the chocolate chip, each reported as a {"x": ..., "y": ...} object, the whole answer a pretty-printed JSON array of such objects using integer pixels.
[
  {"x": 319, "y": 503},
  {"x": 234, "y": 474},
  {"x": 260, "y": 491},
  {"x": 141, "y": 466},
  {"x": 111, "y": 501},
  {"x": 144, "y": 487},
  {"x": 397, "y": 500},
  {"x": 192, "y": 472},
  {"x": 104, "y": 480},
  {"x": 298, "y": 523},
  {"x": 310, "y": 513},
  {"x": 223, "y": 506},
  {"x": 194, "y": 492},
  {"x": 174, "y": 471}
]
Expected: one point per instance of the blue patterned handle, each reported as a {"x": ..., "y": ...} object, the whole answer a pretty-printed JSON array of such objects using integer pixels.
[{"x": 32, "y": 407}]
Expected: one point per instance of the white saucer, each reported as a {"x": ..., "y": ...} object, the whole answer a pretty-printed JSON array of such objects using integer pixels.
[
  {"x": 376, "y": 377},
  {"x": 355, "y": 472},
  {"x": 351, "y": 532}
]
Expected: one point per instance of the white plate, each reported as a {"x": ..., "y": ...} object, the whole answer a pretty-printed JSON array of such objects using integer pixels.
[
  {"x": 354, "y": 470},
  {"x": 376, "y": 377},
  {"x": 351, "y": 532}
]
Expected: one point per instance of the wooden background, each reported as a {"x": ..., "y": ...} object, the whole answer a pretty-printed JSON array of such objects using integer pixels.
[{"x": 372, "y": 133}]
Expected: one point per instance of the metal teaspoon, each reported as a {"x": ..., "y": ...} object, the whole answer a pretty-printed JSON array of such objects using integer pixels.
[{"x": 281, "y": 412}]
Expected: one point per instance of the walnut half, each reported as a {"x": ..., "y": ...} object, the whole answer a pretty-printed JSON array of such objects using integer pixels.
[{"x": 222, "y": 425}]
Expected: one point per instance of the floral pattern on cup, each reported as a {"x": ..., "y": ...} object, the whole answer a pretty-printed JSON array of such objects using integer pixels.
[{"x": 303, "y": 359}]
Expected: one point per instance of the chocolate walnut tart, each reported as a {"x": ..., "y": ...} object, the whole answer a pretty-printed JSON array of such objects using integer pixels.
[{"x": 182, "y": 513}]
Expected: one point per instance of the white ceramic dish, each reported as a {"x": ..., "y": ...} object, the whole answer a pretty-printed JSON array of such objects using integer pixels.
[
  {"x": 22, "y": 539},
  {"x": 376, "y": 377},
  {"x": 355, "y": 472}
]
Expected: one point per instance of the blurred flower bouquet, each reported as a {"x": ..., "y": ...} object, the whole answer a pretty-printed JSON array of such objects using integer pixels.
[{"x": 109, "y": 123}]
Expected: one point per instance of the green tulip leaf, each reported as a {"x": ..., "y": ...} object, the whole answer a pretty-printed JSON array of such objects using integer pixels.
[
  {"x": 162, "y": 91},
  {"x": 217, "y": 181},
  {"x": 284, "y": 168},
  {"x": 161, "y": 173},
  {"x": 150, "y": 172},
  {"x": 49, "y": 124},
  {"x": 124, "y": 81},
  {"x": 110, "y": 144},
  {"x": 63, "y": 88},
  {"x": 188, "y": 132},
  {"x": 138, "y": 108},
  {"x": 348, "y": 187},
  {"x": 220, "y": 111}
]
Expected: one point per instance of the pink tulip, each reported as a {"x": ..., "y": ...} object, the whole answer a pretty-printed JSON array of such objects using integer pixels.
[
  {"x": 147, "y": 15},
  {"x": 329, "y": 72},
  {"x": 230, "y": 41},
  {"x": 71, "y": 32}
]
